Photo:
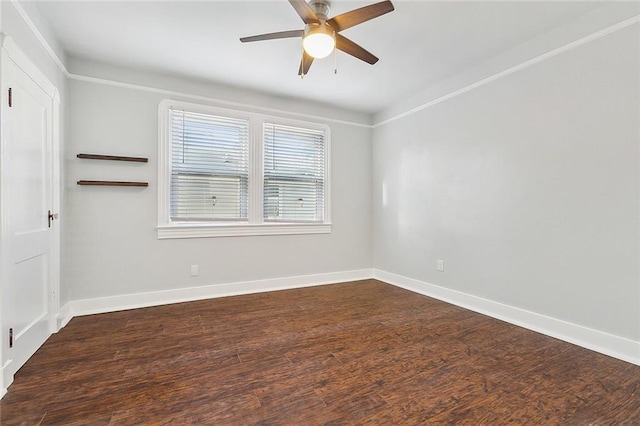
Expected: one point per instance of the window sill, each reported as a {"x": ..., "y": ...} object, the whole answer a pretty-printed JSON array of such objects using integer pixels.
[{"x": 241, "y": 230}]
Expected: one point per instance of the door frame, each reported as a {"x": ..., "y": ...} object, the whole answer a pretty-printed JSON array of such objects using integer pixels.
[{"x": 11, "y": 51}]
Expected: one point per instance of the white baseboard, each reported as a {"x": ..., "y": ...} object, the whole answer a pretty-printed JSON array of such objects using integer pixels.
[
  {"x": 608, "y": 344},
  {"x": 5, "y": 378},
  {"x": 64, "y": 316},
  {"x": 165, "y": 297}
]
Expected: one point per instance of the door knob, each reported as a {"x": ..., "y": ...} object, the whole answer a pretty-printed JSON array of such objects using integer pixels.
[{"x": 52, "y": 216}]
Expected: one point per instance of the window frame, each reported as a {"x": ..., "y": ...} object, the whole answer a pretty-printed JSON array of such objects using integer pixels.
[{"x": 255, "y": 225}]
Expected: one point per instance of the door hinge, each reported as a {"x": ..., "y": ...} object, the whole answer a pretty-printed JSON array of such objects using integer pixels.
[
  {"x": 10, "y": 97},
  {"x": 11, "y": 337}
]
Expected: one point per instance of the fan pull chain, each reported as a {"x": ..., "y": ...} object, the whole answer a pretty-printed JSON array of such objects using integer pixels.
[
  {"x": 335, "y": 55},
  {"x": 302, "y": 62}
]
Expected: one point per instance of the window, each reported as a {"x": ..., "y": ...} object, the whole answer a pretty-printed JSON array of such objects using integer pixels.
[
  {"x": 293, "y": 174},
  {"x": 227, "y": 173},
  {"x": 209, "y": 167}
]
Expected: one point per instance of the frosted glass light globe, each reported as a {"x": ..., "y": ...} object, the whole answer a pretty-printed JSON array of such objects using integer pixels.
[{"x": 318, "y": 44}]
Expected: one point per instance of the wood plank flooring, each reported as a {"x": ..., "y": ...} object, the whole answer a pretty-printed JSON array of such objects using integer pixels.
[{"x": 352, "y": 353}]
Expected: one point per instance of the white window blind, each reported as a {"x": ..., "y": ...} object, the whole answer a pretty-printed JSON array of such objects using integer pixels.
[
  {"x": 294, "y": 174},
  {"x": 209, "y": 167}
]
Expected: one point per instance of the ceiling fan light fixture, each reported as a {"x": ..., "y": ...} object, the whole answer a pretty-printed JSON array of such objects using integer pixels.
[
  {"x": 319, "y": 41},
  {"x": 321, "y": 34}
]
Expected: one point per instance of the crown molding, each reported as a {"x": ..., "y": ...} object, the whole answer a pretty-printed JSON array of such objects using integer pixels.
[
  {"x": 38, "y": 35},
  {"x": 526, "y": 64}
]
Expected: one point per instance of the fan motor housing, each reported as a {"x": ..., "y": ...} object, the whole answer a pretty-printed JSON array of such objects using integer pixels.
[{"x": 321, "y": 8}]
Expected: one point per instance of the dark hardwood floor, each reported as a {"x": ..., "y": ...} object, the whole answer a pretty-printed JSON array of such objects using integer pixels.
[{"x": 353, "y": 353}]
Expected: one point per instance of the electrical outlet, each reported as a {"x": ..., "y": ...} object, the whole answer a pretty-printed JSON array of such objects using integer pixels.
[
  {"x": 195, "y": 270},
  {"x": 440, "y": 265}
]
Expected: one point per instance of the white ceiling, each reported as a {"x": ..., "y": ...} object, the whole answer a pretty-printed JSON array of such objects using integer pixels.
[{"x": 419, "y": 44}]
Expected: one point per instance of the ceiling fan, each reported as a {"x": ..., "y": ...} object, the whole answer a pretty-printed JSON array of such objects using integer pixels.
[{"x": 320, "y": 35}]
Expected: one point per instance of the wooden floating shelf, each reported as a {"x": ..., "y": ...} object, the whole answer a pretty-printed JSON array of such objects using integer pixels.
[
  {"x": 111, "y": 183},
  {"x": 113, "y": 158}
]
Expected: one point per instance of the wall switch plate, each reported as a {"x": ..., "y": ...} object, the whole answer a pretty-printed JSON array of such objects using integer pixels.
[
  {"x": 440, "y": 265},
  {"x": 195, "y": 270}
]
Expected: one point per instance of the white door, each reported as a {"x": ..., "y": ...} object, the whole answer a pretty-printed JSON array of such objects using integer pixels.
[{"x": 26, "y": 180}]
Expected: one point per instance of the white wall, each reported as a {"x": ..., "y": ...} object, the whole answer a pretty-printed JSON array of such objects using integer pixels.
[
  {"x": 527, "y": 187},
  {"x": 113, "y": 249}
]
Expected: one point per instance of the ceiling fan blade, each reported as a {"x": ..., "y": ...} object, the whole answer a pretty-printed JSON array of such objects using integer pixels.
[
  {"x": 271, "y": 36},
  {"x": 305, "y": 63},
  {"x": 355, "y": 50},
  {"x": 358, "y": 16},
  {"x": 304, "y": 10}
]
